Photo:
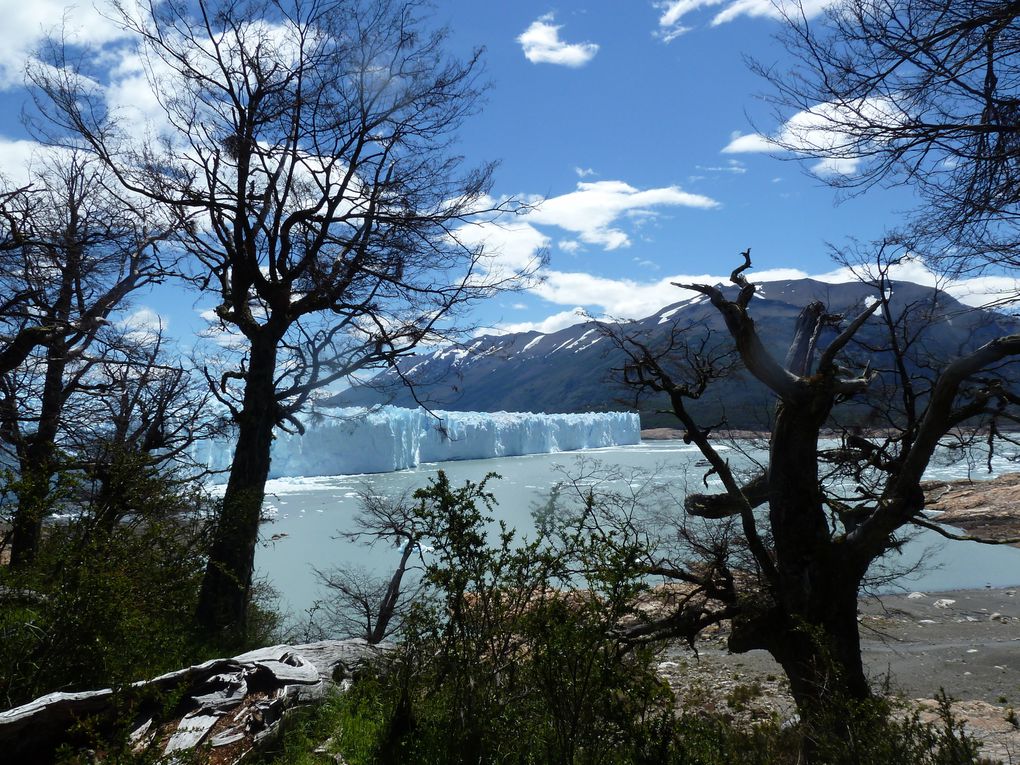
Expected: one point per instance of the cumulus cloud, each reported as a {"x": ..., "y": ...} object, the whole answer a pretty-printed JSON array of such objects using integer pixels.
[
  {"x": 837, "y": 134},
  {"x": 596, "y": 214},
  {"x": 541, "y": 44},
  {"x": 593, "y": 210},
  {"x": 27, "y": 24},
  {"x": 508, "y": 247},
  {"x": 749, "y": 143},
  {"x": 672, "y": 22},
  {"x": 550, "y": 324},
  {"x": 632, "y": 299}
]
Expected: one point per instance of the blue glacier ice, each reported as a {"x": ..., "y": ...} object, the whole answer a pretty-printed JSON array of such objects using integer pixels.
[{"x": 349, "y": 441}]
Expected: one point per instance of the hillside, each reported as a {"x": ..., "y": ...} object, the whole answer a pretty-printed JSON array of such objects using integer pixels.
[{"x": 574, "y": 370}]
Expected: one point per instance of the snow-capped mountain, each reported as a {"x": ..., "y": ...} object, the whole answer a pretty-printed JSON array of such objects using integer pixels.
[{"x": 573, "y": 370}]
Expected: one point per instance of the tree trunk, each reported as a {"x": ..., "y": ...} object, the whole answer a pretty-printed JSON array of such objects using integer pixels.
[
  {"x": 33, "y": 500},
  {"x": 388, "y": 605},
  {"x": 816, "y": 638},
  {"x": 226, "y": 588},
  {"x": 37, "y": 462},
  {"x": 821, "y": 652}
]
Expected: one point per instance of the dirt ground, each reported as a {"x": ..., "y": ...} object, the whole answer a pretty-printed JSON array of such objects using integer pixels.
[{"x": 966, "y": 642}]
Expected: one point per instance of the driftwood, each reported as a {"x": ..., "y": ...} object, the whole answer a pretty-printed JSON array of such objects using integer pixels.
[{"x": 229, "y": 705}]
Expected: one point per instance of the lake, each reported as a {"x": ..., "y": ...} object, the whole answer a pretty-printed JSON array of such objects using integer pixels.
[{"x": 308, "y": 514}]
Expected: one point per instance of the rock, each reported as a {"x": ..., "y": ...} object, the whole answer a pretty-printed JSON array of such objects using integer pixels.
[
  {"x": 943, "y": 603},
  {"x": 226, "y": 738},
  {"x": 984, "y": 508},
  {"x": 916, "y": 596},
  {"x": 988, "y": 723}
]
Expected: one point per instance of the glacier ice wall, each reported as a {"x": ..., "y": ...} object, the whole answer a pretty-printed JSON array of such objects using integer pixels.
[{"x": 347, "y": 441}]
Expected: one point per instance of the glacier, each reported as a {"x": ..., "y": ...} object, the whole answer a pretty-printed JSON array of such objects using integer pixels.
[{"x": 346, "y": 441}]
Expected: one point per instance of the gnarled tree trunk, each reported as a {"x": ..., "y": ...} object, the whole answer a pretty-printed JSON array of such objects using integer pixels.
[{"x": 226, "y": 588}]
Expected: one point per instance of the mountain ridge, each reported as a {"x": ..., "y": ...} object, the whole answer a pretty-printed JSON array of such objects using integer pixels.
[{"x": 572, "y": 369}]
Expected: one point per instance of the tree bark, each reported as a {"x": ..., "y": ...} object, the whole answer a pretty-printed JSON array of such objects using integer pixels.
[
  {"x": 226, "y": 588},
  {"x": 389, "y": 602},
  {"x": 815, "y": 637},
  {"x": 37, "y": 462}
]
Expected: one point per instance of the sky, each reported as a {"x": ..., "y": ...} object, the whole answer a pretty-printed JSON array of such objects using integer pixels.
[{"x": 637, "y": 127}]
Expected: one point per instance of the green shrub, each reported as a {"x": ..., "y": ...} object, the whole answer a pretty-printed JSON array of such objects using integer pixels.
[
  {"x": 512, "y": 656},
  {"x": 108, "y": 611},
  {"x": 110, "y": 597}
]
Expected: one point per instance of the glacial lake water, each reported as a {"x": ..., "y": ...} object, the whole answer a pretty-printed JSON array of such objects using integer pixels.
[{"x": 308, "y": 515}]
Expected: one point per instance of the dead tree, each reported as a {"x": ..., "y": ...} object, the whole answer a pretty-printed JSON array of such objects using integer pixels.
[
  {"x": 312, "y": 142},
  {"x": 802, "y": 533},
  {"x": 357, "y": 602},
  {"x": 78, "y": 250}
]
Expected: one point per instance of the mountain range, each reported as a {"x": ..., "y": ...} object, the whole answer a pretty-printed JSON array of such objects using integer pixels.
[{"x": 578, "y": 368}]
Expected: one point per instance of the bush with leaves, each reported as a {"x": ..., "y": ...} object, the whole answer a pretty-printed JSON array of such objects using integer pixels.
[
  {"x": 110, "y": 597},
  {"x": 517, "y": 652},
  {"x": 511, "y": 648}
]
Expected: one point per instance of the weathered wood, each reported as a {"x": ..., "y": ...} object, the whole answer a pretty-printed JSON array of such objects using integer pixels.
[{"x": 233, "y": 704}]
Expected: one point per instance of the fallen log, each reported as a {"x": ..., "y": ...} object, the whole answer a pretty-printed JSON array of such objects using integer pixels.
[{"x": 229, "y": 705}]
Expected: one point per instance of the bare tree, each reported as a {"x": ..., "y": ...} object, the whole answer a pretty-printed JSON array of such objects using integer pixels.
[
  {"x": 359, "y": 602},
  {"x": 924, "y": 93},
  {"x": 145, "y": 413},
  {"x": 20, "y": 334},
  {"x": 313, "y": 142},
  {"x": 78, "y": 250},
  {"x": 794, "y": 541}
]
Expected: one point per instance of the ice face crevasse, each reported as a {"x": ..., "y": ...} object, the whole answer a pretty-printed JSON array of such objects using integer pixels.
[{"x": 347, "y": 441}]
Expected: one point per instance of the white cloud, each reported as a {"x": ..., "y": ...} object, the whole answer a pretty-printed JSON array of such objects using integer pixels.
[
  {"x": 836, "y": 134},
  {"x": 143, "y": 325},
  {"x": 631, "y": 299},
  {"x": 26, "y": 25},
  {"x": 553, "y": 323},
  {"x": 509, "y": 248},
  {"x": 593, "y": 209},
  {"x": 541, "y": 44},
  {"x": 16, "y": 158},
  {"x": 594, "y": 214},
  {"x": 584, "y": 172},
  {"x": 734, "y": 166},
  {"x": 749, "y": 143},
  {"x": 836, "y": 166},
  {"x": 672, "y": 20},
  {"x": 620, "y": 298}
]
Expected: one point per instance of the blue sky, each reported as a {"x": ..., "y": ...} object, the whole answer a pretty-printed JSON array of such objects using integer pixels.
[{"x": 634, "y": 122}]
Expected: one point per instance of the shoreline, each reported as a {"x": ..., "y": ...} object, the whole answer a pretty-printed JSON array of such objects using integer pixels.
[{"x": 964, "y": 641}]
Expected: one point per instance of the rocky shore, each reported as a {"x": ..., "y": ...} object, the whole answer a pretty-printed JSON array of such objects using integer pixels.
[
  {"x": 989, "y": 509},
  {"x": 915, "y": 644}
]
